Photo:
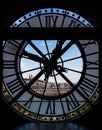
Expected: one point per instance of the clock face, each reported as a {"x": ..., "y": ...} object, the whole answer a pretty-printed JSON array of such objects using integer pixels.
[{"x": 51, "y": 80}]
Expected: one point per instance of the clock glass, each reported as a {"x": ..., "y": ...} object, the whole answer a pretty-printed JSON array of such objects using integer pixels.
[{"x": 51, "y": 80}]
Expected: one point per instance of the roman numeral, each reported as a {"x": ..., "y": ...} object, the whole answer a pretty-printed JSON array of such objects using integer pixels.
[
  {"x": 9, "y": 64},
  {"x": 72, "y": 102},
  {"x": 74, "y": 24},
  {"x": 51, "y": 21},
  {"x": 90, "y": 42},
  {"x": 92, "y": 64},
  {"x": 29, "y": 102},
  {"x": 14, "y": 86},
  {"x": 51, "y": 107},
  {"x": 87, "y": 87},
  {"x": 14, "y": 43}
]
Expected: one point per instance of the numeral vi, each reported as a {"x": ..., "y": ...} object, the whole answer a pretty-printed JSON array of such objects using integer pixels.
[{"x": 51, "y": 107}]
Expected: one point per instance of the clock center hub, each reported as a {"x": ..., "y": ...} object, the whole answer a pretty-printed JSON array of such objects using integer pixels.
[{"x": 51, "y": 66}]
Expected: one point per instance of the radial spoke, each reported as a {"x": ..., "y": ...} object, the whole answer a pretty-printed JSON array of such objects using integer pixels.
[
  {"x": 47, "y": 49},
  {"x": 21, "y": 72},
  {"x": 27, "y": 87},
  {"x": 30, "y": 70},
  {"x": 64, "y": 77},
  {"x": 59, "y": 93},
  {"x": 45, "y": 86},
  {"x": 56, "y": 83},
  {"x": 42, "y": 95},
  {"x": 35, "y": 48},
  {"x": 70, "y": 59},
  {"x": 73, "y": 70}
]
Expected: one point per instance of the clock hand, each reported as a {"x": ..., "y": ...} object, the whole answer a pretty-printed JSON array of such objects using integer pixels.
[
  {"x": 33, "y": 57},
  {"x": 39, "y": 59},
  {"x": 49, "y": 71},
  {"x": 58, "y": 48},
  {"x": 38, "y": 50},
  {"x": 57, "y": 53},
  {"x": 27, "y": 87},
  {"x": 53, "y": 59}
]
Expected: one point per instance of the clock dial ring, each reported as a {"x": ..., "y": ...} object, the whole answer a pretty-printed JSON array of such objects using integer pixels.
[{"x": 52, "y": 11}]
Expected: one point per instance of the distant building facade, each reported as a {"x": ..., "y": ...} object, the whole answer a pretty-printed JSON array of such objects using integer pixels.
[{"x": 49, "y": 88}]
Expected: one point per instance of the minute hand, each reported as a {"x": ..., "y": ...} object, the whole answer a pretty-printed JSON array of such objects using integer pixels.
[
  {"x": 58, "y": 47},
  {"x": 58, "y": 51}
]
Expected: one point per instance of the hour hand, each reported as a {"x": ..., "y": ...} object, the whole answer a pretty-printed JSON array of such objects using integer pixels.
[{"x": 33, "y": 57}]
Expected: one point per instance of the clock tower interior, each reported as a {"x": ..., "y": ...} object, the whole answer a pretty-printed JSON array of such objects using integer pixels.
[{"x": 53, "y": 84}]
